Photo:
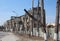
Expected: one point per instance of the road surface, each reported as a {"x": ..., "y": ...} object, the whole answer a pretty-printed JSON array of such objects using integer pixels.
[{"x": 8, "y": 36}]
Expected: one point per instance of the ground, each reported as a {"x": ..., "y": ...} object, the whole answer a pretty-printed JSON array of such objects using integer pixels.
[{"x": 9, "y": 36}]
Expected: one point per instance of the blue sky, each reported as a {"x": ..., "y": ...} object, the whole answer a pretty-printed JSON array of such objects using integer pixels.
[{"x": 7, "y": 6}]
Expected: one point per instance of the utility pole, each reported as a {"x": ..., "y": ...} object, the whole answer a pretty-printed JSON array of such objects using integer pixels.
[
  {"x": 57, "y": 21},
  {"x": 32, "y": 15},
  {"x": 38, "y": 17},
  {"x": 43, "y": 20}
]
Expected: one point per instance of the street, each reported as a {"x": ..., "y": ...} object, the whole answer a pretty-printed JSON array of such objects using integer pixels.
[{"x": 8, "y": 36}]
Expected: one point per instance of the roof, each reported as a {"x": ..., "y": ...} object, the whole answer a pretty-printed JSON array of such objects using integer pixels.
[{"x": 51, "y": 24}]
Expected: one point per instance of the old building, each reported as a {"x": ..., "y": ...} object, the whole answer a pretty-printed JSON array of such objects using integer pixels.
[
  {"x": 24, "y": 24},
  {"x": 7, "y": 25},
  {"x": 18, "y": 23},
  {"x": 35, "y": 23},
  {"x": 51, "y": 30}
]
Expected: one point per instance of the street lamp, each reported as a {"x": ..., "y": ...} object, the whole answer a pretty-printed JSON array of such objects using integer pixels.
[{"x": 15, "y": 13}]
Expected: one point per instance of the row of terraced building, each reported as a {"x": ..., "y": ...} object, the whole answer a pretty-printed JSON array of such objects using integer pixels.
[
  {"x": 33, "y": 23},
  {"x": 23, "y": 25}
]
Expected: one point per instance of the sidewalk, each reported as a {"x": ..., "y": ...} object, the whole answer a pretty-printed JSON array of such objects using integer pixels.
[{"x": 27, "y": 38}]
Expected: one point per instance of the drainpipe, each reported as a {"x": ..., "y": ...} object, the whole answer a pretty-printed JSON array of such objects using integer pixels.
[
  {"x": 25, "y": 23},
  {"x": 38, "y": 17},
  {"x": 11, "y": 25}
]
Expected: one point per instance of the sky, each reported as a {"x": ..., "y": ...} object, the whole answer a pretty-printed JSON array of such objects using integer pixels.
[{"x": 8, "y": 6}]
